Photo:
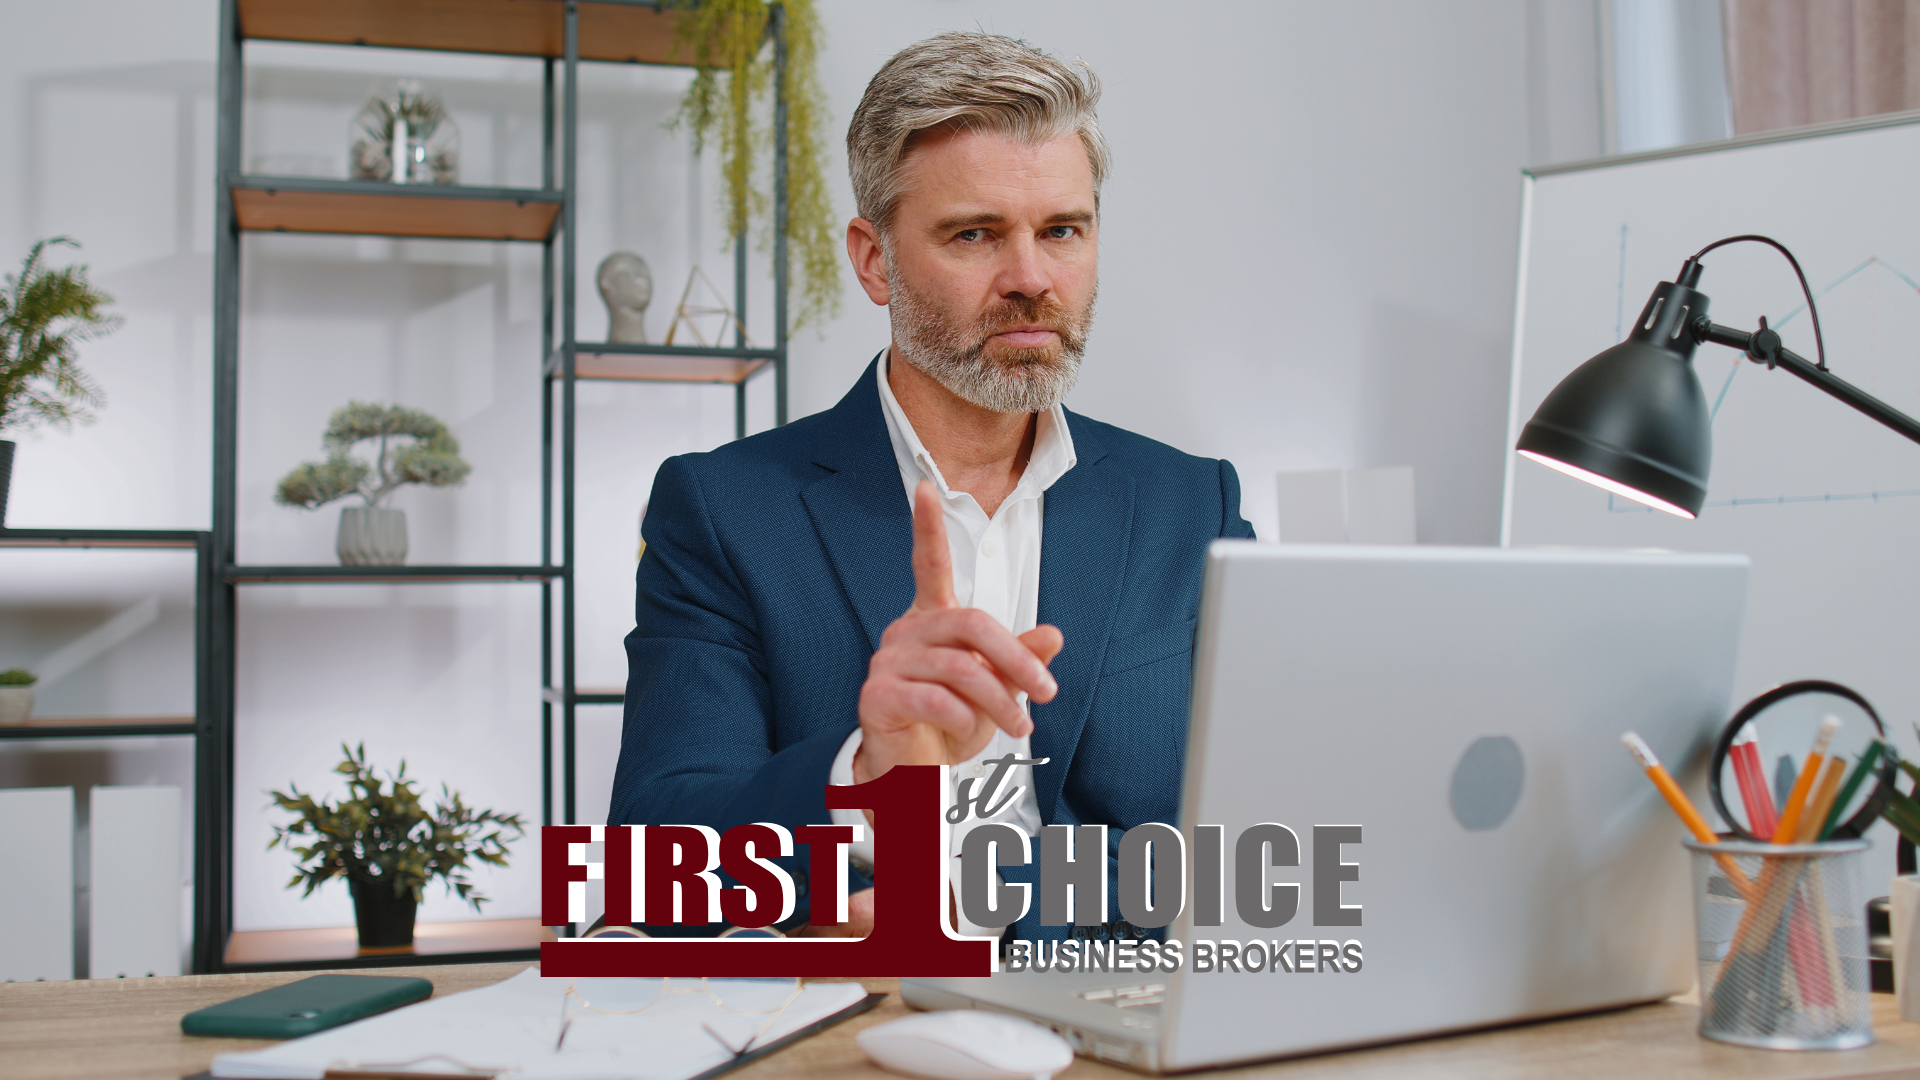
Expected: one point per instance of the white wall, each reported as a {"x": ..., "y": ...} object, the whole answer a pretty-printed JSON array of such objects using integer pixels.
[
  {"x": 1309, "y": 249},
  {"x": 1308, "y": 238}
]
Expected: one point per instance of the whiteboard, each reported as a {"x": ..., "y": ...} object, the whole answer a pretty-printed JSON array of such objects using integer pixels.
[{"x": 1824, "y": 500}]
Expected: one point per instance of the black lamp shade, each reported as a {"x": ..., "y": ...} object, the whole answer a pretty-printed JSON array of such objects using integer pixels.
[{"x": 1633, "y": 419}]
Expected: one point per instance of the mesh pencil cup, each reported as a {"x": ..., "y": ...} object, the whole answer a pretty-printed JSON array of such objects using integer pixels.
[{"x": 1783, "y": 944}]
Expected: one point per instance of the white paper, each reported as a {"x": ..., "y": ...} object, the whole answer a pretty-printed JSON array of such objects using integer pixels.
[{"x": 511, "y": 1028}]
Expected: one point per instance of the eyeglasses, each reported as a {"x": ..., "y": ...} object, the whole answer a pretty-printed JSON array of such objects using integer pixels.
[{"x": 768, "y": 998}]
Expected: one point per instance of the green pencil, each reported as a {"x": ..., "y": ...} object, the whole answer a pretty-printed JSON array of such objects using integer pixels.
[{"x": 1860, "y": 772}]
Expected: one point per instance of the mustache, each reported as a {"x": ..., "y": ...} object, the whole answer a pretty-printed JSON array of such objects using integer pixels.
[{"x": 1043, "y": 310}]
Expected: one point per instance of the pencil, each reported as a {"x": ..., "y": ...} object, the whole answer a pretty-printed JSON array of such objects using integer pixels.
[
  {"x": 1748, "y": 774},
  {"x": 1789, "y": 827},
  {"x": 1814, "y": 821},
  {"x": 1860, "y": 772},
  {"x": 1677, "y": 799}
]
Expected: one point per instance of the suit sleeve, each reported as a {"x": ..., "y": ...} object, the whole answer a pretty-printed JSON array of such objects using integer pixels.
[
  {"x": 697, "y": 746},
  {"x": 1232, "y": 525}
]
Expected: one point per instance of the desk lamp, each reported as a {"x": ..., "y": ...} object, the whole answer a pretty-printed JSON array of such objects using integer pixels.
[{"x": 1633, "y": 419}]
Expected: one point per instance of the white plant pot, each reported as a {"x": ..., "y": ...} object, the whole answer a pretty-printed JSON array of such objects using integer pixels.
[
  {"x": 16, "y": 704},
  {"x": 372, "y": 537},
  {"x": 1903, "y": 907}
]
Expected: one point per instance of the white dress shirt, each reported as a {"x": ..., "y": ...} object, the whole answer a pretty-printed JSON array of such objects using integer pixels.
[{"x": 996, "y": 568}]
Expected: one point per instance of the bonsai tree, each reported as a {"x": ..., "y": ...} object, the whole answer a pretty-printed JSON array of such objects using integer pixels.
[
  {"x": 382, "y": 836},
  {"x": 18, "y": 677},
  {"x": 43, "y": 313},
  {"x": 411, "y": 447}
]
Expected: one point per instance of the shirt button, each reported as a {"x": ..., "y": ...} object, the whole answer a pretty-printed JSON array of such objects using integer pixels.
[
  {"x": 989, "y": 548},
  {"x": 979, "y": 769}
]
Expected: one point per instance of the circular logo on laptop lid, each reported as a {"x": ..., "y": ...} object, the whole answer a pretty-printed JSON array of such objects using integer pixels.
[{"x": 1487, "y": 783}]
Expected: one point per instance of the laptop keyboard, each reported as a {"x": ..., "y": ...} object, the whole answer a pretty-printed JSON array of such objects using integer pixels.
[{"x": 1147, "y": 996}]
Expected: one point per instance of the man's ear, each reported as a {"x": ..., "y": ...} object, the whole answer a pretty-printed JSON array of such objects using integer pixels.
[{"x": 868, "y": 258}]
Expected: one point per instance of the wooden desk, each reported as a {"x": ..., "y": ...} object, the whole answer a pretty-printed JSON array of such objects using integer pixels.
[{"x": 131, "y": 1028}]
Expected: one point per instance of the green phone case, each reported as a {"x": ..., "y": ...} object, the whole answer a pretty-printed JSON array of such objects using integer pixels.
[{"x": 304, "y": 1007}]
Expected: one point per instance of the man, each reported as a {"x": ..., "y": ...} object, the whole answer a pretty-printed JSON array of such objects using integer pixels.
[{"x": 886, "y": 582}]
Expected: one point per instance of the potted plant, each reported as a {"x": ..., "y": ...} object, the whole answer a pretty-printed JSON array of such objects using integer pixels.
[
  {"x": 43, "y": 313},
  {"x": 16, "y": 695},
  {"x": 410, "y": 447},
  {"x": 387, "y": 846}
]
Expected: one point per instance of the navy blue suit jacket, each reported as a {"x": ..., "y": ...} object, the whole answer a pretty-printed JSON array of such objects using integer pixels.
[{"x": 774, "y": 563}]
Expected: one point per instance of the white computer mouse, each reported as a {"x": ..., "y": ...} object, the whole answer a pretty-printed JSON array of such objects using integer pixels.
[{"x": 966, "y": 1044}]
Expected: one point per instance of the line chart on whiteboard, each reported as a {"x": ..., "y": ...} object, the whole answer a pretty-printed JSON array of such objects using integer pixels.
[{"x": 1738, "y": 362}]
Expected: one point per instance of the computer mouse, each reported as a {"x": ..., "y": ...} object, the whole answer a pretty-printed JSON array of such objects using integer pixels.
[{"x": 966, "y": 1044}]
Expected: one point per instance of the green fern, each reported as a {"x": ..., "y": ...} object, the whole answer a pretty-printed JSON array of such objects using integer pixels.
[{"x": 43, "y": 313}]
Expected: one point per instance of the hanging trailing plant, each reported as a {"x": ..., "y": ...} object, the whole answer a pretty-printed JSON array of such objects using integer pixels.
[{"x": 733, "y": 60}]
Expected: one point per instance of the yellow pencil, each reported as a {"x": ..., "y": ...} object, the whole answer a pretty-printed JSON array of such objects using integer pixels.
[
  {"x": 1682, "y": 806},
  {"x": 1789, "y": 828},
  {"x": 1822, "y": 802}
]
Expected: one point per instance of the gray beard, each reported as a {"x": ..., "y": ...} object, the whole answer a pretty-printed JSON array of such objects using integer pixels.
[{"x": 953, "y": 353}]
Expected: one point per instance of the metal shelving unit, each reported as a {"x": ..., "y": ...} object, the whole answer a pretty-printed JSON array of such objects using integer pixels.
[
  {"x": 561, "y": 34},
  {"x": 210, "y": 726}
]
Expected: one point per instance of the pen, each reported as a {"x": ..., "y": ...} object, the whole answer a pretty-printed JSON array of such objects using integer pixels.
[
  {"x": 1677, "y": 799},
  {"x": 1860, "y": 772},
  {"x": 1789, "y": 826}
]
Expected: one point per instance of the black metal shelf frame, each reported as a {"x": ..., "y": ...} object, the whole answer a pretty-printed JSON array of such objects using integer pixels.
[
  {"x": 211, "y": 729},
  {"x": 383, "y": 575},
  {"x": 556, "y": 370}
]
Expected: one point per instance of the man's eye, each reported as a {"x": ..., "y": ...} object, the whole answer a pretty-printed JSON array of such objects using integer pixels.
[
  {"x": 1062, "y": 232},
  {"x": 968, "y": 236}
]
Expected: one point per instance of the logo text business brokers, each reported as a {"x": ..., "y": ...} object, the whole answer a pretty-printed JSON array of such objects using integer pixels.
[{"x": 670, "y": 875}]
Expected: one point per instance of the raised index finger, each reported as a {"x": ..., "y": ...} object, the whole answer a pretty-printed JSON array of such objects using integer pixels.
[{"x": 932, "y": 559}]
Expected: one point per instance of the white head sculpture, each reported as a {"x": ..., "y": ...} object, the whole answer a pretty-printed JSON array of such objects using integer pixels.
[{"x": 627, "y": 287}]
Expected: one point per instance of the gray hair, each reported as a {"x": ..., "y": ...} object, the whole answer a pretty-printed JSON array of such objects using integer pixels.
[{"x": 971, "y": 82}]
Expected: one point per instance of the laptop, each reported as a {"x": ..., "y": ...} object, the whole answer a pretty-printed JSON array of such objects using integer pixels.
[{"x": 1464, "y": 706}]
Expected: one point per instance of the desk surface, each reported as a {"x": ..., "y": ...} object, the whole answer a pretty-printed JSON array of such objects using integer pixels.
[{"x": 131, "y": 1028}]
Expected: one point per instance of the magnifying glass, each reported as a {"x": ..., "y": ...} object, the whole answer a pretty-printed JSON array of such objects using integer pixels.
[{"x": 1762, "y": 749}]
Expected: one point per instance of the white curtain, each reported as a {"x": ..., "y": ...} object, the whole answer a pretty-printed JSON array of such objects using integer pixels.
[{"x": 1796, "y": 62}]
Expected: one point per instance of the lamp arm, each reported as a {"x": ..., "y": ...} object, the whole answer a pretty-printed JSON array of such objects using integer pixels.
[{"x": 1763, "y": 347}]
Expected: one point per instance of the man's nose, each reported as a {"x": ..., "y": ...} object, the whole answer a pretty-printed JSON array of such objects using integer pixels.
[{"x": 1023, "y": 268}]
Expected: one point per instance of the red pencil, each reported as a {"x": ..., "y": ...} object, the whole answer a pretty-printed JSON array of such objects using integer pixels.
[{"x": 1751, "y": 777}]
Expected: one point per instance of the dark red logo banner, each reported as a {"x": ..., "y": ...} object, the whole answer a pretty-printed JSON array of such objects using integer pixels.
[{"x": 910, "y": 935}]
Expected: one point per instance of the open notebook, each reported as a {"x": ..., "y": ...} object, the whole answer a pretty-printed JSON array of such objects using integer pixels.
[{"x": 511, "y": 1030}]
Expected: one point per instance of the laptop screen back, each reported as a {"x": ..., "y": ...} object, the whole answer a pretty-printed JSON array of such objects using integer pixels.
[{"x": 1463, "y": 707}]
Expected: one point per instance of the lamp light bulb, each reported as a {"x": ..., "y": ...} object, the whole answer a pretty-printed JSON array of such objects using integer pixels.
[{"x": 1609, "y": 484}]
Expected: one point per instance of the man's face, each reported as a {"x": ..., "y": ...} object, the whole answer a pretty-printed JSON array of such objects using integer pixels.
[{"x": 991, "y": 268}]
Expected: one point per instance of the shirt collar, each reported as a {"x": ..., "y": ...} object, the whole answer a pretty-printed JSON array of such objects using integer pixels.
[{"x": 1052, "y": 456}]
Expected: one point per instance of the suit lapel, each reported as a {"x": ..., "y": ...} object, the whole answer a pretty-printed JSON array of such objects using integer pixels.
[
  {"x": 861, "y": 513},
  {"x": 1086, "y": 531}
]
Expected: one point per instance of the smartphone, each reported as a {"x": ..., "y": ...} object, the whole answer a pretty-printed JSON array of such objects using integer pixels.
[{"x": 302, "y": 1008}]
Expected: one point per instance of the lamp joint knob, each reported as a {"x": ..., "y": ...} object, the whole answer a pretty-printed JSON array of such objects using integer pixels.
[{"x": 1764, "y": 346}]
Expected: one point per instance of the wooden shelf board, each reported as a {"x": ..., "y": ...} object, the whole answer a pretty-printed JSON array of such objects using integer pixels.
[
  {"x": 342, "y": 942},
  {"x": 631, "y": 367},
  {"x": 621, "y": 33},
  {"x": 367, "y": 208},
  {"x": 57, "y": 727}
]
